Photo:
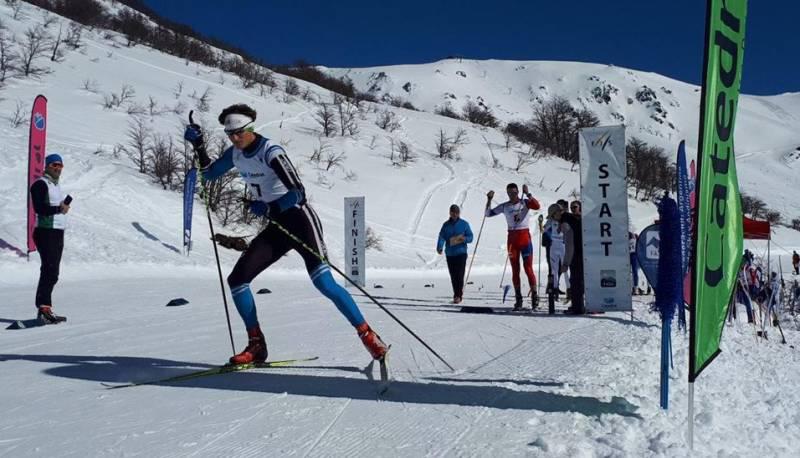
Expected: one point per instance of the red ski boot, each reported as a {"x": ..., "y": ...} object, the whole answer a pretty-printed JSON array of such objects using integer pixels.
[
  {"x": 372, "y": 341},
  {"x": 46, "y": 315},
  {"x": 255, "y": 351}
]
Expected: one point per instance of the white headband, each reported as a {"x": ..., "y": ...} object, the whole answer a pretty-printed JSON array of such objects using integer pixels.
[{"x": 236, "y": 121}]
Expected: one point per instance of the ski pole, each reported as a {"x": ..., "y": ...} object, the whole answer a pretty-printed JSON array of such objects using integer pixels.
[
  {"x": 505, "y": 266},
  {"x": 477, "y": 241},
  {"x": 216, "y": 252},
  {"x": 541, "y": 229},
  {"x": 321, "y": 258},
  {"x": 219, "y": 271}
]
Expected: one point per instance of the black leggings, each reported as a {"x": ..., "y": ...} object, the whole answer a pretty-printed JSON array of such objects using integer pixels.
[
  {"x": 50, "y": 244},
  {"x": 272, "y": 243},
  {"x": 456, "y": 265}
]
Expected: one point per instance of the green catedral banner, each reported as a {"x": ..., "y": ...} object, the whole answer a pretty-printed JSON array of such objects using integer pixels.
[{"x": 719, "y": 213}]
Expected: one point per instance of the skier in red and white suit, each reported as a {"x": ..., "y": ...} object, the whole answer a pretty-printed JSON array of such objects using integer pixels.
[{"x": 519, "y": 236}]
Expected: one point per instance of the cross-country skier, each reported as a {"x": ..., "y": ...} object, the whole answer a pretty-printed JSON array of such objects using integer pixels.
[
  {"x": 519, "y": 236},
  {"x": 279, "y": 197}
]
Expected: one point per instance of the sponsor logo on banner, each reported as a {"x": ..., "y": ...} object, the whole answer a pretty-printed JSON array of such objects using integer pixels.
[
  {"x": 38, "y": 121},
  {"x": 608, "y": 278},
  {"x": 652, "y": 245}
]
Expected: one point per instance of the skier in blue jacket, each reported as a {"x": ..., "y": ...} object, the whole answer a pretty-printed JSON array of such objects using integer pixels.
[{"x": 455, "y": 235}]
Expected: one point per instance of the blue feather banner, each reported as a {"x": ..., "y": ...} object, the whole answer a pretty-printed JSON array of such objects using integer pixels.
[
  {"x": 669, "y": 294},
  {"x": 684, "y": 207},
  {"x": 188, "y": 199}
]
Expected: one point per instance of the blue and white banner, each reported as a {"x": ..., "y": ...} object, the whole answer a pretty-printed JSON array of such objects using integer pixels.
[
  {"x": 648, "y": 248},
  {"x": 684, "y": 207},
  {"x": 355, "y": 239},
  {"x": 188, "y": 201},
  {"x": 604, "y": 197},
  {"x": 685, "y": 188}
]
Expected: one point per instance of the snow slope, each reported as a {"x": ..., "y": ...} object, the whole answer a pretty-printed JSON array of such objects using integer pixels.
[{"x": 524, "y": 385}]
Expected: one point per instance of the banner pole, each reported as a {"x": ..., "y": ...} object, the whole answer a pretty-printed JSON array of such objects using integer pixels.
[{"x": 690, "y": 420}]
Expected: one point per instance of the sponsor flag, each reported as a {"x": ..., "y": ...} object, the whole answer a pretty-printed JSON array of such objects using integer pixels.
[
  {"x": 188, "y": 202},
  {"x": 718, "y": 240},
  {"x": 36, "y": 153}
]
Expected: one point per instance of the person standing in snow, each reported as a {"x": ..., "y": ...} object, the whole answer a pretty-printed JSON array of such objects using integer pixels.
[
  {"x": 454, "y": 236},
  {"x": 519, "y": 236},
  {"x": 796, "y": 262},
  {"x": 573, "y": 256},
  {"x": 51, "y": 220},
  {"x": 279, "y": 198},
  {"x": 632, "y": 237},
  {"x": 554, "y": 233}
]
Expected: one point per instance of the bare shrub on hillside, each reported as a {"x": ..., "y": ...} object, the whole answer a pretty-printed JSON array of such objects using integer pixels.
[
  {"x": 446, "y": 146},
  {"x": 387, "y": 120},
  {"x": 404, "y": 153},
  {"x": 34, "y": 46},
  {"x": 333, "y": 160},
  {"x": 481, "y": 115},
  {"x": 115, "y": 100},
  {"x": 16, "y": 9},
  {"x": 135, "y": 109},
  {"x": 74, "y": 37},
  {"x": 57, "y": 52},
  {"x": 753, "y": 206},
  {"x": 525, "y": 158},
  {"x": 19, "y": 116},
  {"x": 373, "y": 240},
  {"x": 326, "y": 118},
  {"x": 319, "y": 152},
  {"x": 90, "y": 85},
  {"x": 177, "y": 91},
  {"x": 649, "y": 171},
  {"x": 347, "y": 111},
  {"x": 774, "y": 217},
  {"x": 290, "y": 87},
  {"x": 447, "y": 110},
  {"x": 164, "y": 161},
  {"x": 8, "y": 58},
  {"x": 138, "y": 136},
  {"x": 203, "y": 101}
]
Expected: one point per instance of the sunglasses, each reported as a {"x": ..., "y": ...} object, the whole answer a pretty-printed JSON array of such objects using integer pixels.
[
  {"x": 235, "y": 132},
  {"x": 56, "y": 165}
]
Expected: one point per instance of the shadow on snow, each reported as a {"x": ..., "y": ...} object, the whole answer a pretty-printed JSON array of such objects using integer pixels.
[{"x": 121, "y": 369}]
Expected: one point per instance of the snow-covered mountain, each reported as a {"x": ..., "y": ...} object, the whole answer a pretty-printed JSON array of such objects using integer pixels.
[
  {"x": 525, "y": 385},
  {"x": 659, "y": 110},
  {"x": 405, "y": 205}
]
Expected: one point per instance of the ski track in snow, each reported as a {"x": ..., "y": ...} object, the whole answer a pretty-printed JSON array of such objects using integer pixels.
[
  {"x": 259, "y": 410},
  {"x": 327, "y": 429}
]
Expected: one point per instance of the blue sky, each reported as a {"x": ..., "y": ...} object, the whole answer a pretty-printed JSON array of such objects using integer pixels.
[{"x": 663, "y": 37}]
